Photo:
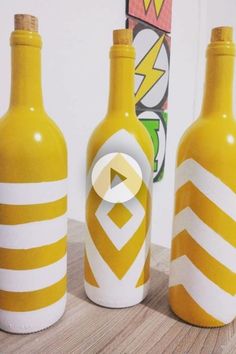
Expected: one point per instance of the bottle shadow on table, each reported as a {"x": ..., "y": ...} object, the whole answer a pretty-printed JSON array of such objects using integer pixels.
[{"x": 157, "y": 298}]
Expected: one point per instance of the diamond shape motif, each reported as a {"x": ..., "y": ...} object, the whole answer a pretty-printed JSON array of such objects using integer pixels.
[{"x": 120, "y": 215}]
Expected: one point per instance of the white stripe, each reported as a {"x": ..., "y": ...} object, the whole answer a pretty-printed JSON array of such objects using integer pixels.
[
  {"x": 34, "y": 234},
  {"x": 207, "y": 238},
  {"x": 32, "y": 321},
  {"x": 32, "y": 193},
  {"x": 210, "y": 297},
  {"x": 31, "y": 280},
  {"x": 210, "y": 185}
]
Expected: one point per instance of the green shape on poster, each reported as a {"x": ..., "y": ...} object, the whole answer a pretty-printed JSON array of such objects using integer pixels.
[{"x": 153, "y": 126}]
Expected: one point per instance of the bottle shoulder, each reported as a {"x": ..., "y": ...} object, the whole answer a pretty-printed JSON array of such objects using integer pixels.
[
  {"x": 27, "y": 127},
  {"x": 115, "y": 131},
  {"x": 209, "y": 135},
  {"x": 212, "y": 144},
  {"x": 32, "y": 149}
]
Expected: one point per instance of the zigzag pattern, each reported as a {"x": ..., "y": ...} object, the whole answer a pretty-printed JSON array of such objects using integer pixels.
[{"x": 203, "y": 246}]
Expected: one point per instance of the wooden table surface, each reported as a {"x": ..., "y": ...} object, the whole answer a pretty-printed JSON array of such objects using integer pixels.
[{"x": 146, "y": 328}]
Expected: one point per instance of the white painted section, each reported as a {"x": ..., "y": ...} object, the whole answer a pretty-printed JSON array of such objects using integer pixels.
[
  {"x": 33, "y": 234},
  {"x": 32, "y": 193},
  {"x": 34, "y": 279},
  {"x": 113, "y": 301},
  {"x": 208, "y": 184},
  {"x": 214, "y": 300},
  {"x": 32, "y": 321},
  {"x": 77, "y": 36},
  {"x": 206, "y": 237}
]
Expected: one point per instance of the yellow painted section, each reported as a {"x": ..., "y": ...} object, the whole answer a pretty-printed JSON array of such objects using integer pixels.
[
  {"x": 32, "y": 300},
  {"x": 118, "y": 260},
  {"x": 32, "y": 148},
  {"x": 183, "y": 244},
  {"x": 88, "y": 273},
  {"x": 145, "y": 275},
  {"x": 34, "y": 257},
  {"x": 211, "y": 141},
  {"x": 121, "y": 112},
  {"x": 188, "y": 310},
  {"x": 224, "y": 225},
  {"x": 20, "y": 214},
  {"x": 120, "y": 215}
]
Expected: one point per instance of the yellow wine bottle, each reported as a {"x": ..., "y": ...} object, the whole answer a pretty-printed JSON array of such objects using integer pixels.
[
  {"x": 33, "y": 203},
  {"x": 119, "y": 186},
  {"x": 203, "y": 259}
]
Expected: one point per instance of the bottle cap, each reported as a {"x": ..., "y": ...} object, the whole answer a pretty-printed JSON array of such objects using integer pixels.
[
  {"x": 123, "y": 36},
  {"x": 222, "y": 34},
  {"x": 26, "y": 23}
]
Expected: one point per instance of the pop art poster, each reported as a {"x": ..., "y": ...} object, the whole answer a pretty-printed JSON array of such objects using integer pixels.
[{"x": 150, "y": 21}]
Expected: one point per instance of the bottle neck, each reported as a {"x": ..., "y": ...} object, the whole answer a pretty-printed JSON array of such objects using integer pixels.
[
  {"x": 218, "y": 97},
  {"x": 26, "y": 90},
  {"x": 121, "y": 97}
]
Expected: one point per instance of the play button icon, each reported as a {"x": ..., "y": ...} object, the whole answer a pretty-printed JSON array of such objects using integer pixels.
[{"x": 116, "y": 177}]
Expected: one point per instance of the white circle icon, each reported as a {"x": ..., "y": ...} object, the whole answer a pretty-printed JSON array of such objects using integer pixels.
[{"x": 116, "y": 177}]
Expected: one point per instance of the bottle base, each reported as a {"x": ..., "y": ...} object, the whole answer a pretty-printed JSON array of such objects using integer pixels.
[
  {"x": 32, "y": 321},
  {"x": 194, "y": 321},
  {"x": 115, "y": 300}
]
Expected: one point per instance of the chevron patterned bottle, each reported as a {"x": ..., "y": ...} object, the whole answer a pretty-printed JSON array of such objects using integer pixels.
[
  {"x": 117, "y": 248},
  {"x": 202, "y": 288},
  {"x": 33, "y": 172}
]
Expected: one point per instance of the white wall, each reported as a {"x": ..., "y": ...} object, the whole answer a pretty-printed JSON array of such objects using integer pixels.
[
  {"x": 77, "y": 37},
  {"x": 214, "y": 13}
]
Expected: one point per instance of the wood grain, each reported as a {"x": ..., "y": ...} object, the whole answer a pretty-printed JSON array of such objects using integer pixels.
[{"x": 147, "y": 328}]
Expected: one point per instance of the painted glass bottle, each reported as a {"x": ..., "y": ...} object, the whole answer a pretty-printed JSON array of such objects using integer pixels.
[
  {"x": 203, "y": 260},
  {"x": 33, "y": 172},
  {"x": 117, "y": 252}
]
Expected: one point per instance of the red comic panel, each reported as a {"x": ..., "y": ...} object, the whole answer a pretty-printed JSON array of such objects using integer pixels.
[{"x": 154, "y": 12}]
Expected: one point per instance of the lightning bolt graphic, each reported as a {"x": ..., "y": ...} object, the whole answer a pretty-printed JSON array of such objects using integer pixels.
[
  {"x": 158, "y": 5},
  {"x": 146, "y": 69}
]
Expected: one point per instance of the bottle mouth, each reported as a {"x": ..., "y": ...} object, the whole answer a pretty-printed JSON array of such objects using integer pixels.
[
  {"x": 26, "y": 23},
  {"x": 222, "y": 42},
  {"x": 122, "y": 44},
  {"x": 26, "y": 31}
]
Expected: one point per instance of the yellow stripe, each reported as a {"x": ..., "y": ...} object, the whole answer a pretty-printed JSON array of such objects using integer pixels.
[
  {"x": 188, "y": 310},
  {"x": 34, "y": 300},
  {"x": 20, "y": 214},
  {"x": 144, "y": 276},
  {"x": 207, "y": 211},
  {"x": 32, "y": 258},
  {"x": 88, "y": 274},
  {"x": 183, "y": 244}
]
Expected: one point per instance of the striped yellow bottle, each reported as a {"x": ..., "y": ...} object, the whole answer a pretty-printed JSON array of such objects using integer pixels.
[
  {"x": 117, "y": 251},
  {"x": 33, "y": 172},
  {"x": 203, "y": 260}
]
